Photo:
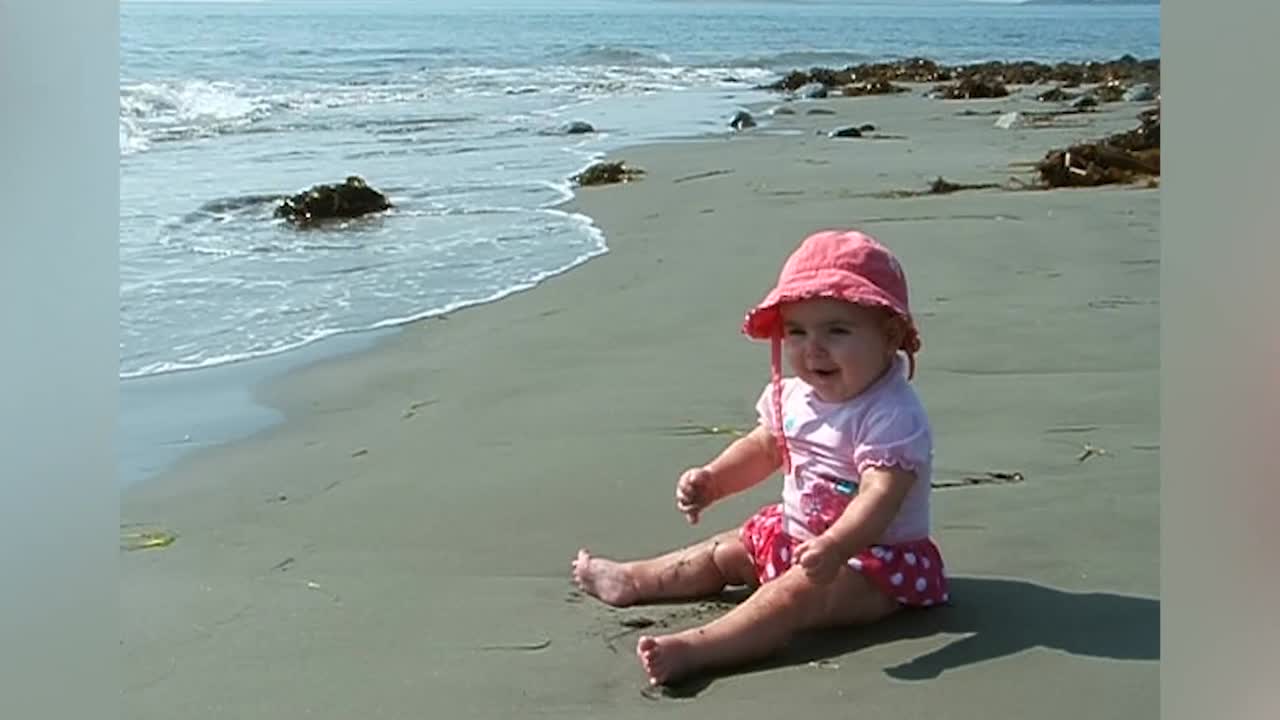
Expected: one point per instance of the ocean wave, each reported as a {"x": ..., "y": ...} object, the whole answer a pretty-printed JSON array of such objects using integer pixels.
[
  {"x": 175, "y": 111},
  {"x": 592, "y": 55},
  {"x": 160, "y": 111},
  {"x": 594, "y": 82},
  {"x": 236, "y": 248},
  {"x": 132, "y": 139},
  {"x": 168, "y": 111},
  {"x": 235, "y": 203},
  {"x": 187, "y": 100},
  {"x": 200, "y": 360},
  {"x": 401, "y": 126},
  {"x": 800, "y": 59},
  {"x": 178, "y": 288}
]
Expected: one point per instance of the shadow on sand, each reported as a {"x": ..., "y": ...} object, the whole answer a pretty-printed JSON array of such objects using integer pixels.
[{"x": 998, "y": 618}]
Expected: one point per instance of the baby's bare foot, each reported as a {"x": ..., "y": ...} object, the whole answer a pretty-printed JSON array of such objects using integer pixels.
[
  {"x": 665, "y": 658},
  {"x": 607, "y": 580}
]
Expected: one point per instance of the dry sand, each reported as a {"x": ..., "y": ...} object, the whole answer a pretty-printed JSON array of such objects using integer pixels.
[{"x": 400, "y": 547}]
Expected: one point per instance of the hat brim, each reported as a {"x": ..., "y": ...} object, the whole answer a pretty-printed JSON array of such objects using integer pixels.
[{"x": 764, "y": 321}]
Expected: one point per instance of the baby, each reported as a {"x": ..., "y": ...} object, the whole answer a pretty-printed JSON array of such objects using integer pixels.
[{"x": 849, "y": 543}]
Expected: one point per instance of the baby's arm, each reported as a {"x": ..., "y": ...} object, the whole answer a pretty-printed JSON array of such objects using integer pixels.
[
  {"x": 881, "y": 491},
  {"x": 880, "y": 494},
  {"x": 747, "y": 462}
]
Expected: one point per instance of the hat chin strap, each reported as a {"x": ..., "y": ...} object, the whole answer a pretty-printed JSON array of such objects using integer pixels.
[{"x": 776, "y": 379}]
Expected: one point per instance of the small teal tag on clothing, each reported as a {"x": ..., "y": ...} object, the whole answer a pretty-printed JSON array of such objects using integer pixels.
[{"x": 844, "y": 487}]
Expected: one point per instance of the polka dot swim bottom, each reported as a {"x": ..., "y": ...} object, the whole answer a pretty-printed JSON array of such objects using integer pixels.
[{"x": 912, "y": 573}]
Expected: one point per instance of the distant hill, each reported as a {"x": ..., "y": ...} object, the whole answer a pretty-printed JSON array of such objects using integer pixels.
[{"x": 1090, "y": 2}]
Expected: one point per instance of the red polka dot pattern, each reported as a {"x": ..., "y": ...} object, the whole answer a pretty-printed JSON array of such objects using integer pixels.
[{"x": 911, "y": 573}]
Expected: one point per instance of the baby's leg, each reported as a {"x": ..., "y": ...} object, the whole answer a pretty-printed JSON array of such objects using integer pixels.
[
  {"x": 697, "y": 571},
  {"x": 764, "y": 623}
]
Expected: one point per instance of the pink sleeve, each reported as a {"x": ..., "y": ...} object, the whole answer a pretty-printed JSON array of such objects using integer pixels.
[
  {"x": 764, "y": 409},
  {"x": 894, "y": 437}
]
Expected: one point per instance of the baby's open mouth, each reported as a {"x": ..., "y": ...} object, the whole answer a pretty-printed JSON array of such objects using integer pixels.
[{"x": 824, "y": 373}]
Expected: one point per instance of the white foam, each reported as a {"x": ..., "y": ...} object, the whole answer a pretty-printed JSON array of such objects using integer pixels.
[
  {"x": 196, "y": 361},
  {"x": 131, "y": 138},
  {"x": 179, "y": 110}
]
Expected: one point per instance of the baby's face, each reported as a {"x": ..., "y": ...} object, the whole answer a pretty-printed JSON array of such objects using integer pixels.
[{"x": 837, "y": 347}]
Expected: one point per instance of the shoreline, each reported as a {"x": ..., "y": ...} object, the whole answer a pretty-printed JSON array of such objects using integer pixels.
[
  {"x": 419, "y": 502},
  {"x": 144, "y": 460}
]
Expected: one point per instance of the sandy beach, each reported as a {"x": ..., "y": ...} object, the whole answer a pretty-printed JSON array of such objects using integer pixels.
[{"x": 399, "y": 547}]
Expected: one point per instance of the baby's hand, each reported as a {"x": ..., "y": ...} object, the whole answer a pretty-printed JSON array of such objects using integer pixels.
[
  {"x": 693, "y": 493},
  {"x": 820, "y": 557}
]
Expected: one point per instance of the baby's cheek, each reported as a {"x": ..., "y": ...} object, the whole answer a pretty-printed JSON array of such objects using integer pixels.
[
  {"x": 794, "y": 352},
  {"x": 854, "y": 349}
]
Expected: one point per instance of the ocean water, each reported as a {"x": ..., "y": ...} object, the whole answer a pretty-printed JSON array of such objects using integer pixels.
[{"x": 453, "y": 109}]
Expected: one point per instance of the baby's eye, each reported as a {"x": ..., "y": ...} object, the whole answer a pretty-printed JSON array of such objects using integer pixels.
[
  {"x": 795, "y": 332},
  {"x": 839, "y": 330}
]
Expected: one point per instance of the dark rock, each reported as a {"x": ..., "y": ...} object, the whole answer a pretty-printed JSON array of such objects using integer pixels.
[
  {"x": 350, "y": 199},
  {"x": 1056, "y": 94},
  {"x": 792, "y": 81},
  {"x": 922, "y": 70},
  {"x": 845, "y": 132},
  {"x": 578, "y": 127},
  {"x": 1023, "y": 73},
  {"x": 1085, "y": 102},
  {"x": 1126, "y": 68},
  {"x": 830, "y": 78},
  {"x": 605, "y": 173},
  {"x": 1109, "y": 92},
  {"x": 867, "y": 127},
  {"x": 915, "y": 69},
  {"x": 820, "y": 111},
  {"x": 1142, "y": 92},
  {"x": 742, "y": 120},
  {"x": 872, "y": 87},
  {"x": 812, "y": 91},
  {"x": 972, "y": 88},
  {"x": 796, "y": 80},
  {"x": 784, "y": 110}
]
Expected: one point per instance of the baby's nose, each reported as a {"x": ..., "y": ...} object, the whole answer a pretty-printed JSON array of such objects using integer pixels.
[{"x": 815, "y": 347}]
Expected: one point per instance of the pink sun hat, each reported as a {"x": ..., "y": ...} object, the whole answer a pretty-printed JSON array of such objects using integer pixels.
[{"x": 843, "y": 265}]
